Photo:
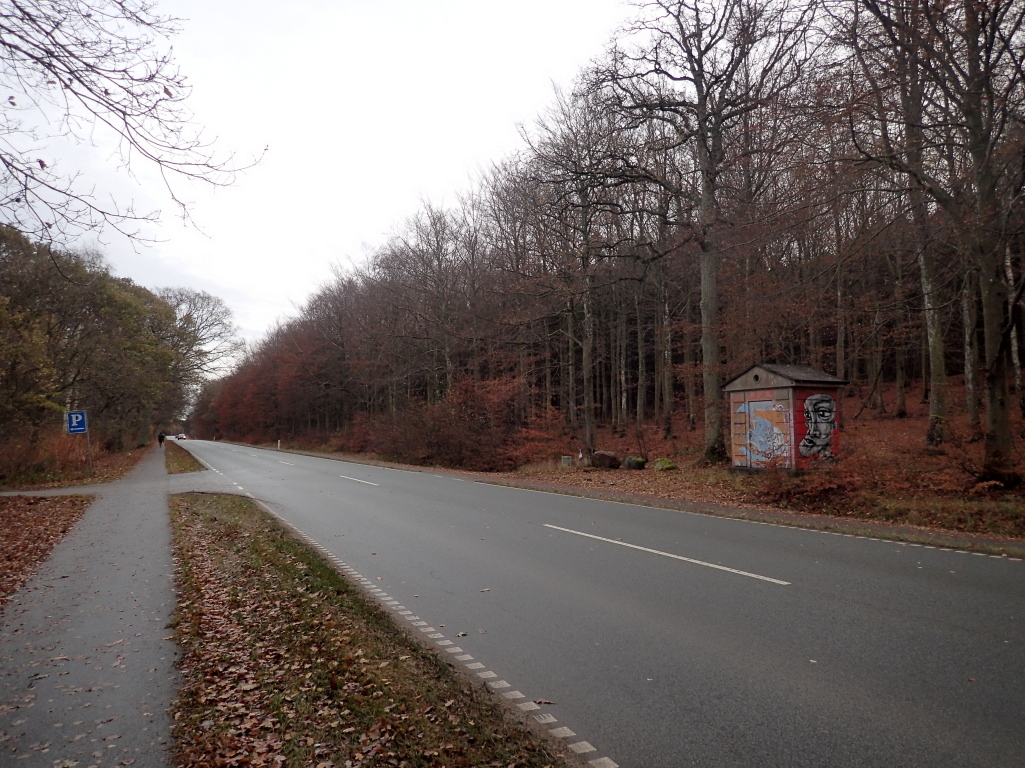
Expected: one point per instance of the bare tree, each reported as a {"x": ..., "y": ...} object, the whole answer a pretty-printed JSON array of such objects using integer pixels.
[
  {"x": 202, "y": 336},
  {"x": 957, "y": 141},
  {"x": 700, "y": 67},
  {"x": 76, "y": 69}
]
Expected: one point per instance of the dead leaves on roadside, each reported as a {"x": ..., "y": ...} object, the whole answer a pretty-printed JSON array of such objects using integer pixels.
[
  {"x": 30, "y": 526},
  {"x": 285, "y": 666}
]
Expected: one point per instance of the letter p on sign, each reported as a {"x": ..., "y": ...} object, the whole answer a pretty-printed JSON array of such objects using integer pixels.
[{"x": 77, "y": 422}]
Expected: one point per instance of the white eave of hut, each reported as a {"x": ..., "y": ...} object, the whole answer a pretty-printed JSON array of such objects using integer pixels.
[{"x": 773, "y": 376}]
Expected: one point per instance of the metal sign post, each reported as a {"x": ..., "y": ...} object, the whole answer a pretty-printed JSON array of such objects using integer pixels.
[{"x": 77, "y": 423}]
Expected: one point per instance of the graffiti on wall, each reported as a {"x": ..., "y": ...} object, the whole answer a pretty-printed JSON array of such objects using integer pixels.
[
  {"x": 767, "y": 437},
  {"x": 820, "y": 423}
]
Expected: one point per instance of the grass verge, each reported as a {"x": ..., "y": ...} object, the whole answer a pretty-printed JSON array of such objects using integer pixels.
[
  {"x": 286, "y": 664},
  {"x": 178, "y": 460}
]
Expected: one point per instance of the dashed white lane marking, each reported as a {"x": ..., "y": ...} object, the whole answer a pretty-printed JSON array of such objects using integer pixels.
[
  {"x": 581, "y": 747},
  {"x": 357, "y": 480},
  {"x": 286, "y": 462},
  {"x": 671, "y": 555}
]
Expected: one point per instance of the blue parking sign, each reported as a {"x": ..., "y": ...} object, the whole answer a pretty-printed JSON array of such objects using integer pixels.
[{"x": 77, "y": 422}]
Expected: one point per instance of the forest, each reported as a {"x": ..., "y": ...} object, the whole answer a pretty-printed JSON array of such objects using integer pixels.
[
  {"x": 75, "y": 337},
  {"x": 828, "y": 184}
]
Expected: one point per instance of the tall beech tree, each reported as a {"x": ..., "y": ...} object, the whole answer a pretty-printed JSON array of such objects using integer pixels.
[
  {"x": 960, "y": 89},
  {"x": 735, "y": 182},
  {"x": 703, "y": 67}
]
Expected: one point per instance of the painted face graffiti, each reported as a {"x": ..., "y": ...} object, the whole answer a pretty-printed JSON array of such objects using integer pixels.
[{"x": 820, "y": 418}]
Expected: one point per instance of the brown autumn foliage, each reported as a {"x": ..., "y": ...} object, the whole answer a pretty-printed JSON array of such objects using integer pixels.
[
  {"x": 886, "y": 473},
  {"x": 30, "y": 527},
  {"x": 58, "y": 460}
]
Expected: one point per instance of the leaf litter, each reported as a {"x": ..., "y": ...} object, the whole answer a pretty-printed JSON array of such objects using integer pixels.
[
  {"x": 285, "y": 664},
  {"x": 30, "y": 527}
]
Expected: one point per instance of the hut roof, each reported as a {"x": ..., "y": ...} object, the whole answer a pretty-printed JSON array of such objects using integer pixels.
[{"x": 773, "y": 375}]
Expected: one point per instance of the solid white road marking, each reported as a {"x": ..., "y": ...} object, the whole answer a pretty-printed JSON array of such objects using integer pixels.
[
  {"x": 286, "y": 462},
  {"x": 669, "y": 554},
  {"x": 561, "y": 733},
  {"x": 356, "y": 479},
  {"x": 582, "y": 746}
]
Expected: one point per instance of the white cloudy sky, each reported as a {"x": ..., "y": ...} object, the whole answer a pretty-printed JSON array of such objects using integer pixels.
[{"x": 368, "y": 107}]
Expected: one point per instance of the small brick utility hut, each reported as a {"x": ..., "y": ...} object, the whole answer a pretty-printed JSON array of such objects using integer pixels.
[{"x": 786, "y": 414}]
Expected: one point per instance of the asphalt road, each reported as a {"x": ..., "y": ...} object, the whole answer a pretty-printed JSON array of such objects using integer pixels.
[{"x": 671, "y": 639}]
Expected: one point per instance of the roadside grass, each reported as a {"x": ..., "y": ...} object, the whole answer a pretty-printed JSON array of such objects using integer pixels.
[
  {"x": 178, "y": 460},
  {"x": 30, "y": 526},
  {"x": 286, "y": 664}
]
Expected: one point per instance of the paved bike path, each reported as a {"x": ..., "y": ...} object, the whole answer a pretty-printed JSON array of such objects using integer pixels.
[{"x": 87, "y": 671}]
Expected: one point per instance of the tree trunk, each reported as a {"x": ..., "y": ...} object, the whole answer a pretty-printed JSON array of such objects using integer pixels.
[
  {"x": 715, "y": 445},
  {"x": 667, "y": 369},
  {"x": 841, "y": 319},
  {"x": 642, "y": 375},
  {"x": 969, "y": 324},
  {"x": 587, "y": 366},
  {"x": 623, "y": 387},
  {"x": 571, "y": 364},
  {"x": 934, "y": 433},
  {"x": 1015, "y": 359},
  {"x": 998, "y": 442}
]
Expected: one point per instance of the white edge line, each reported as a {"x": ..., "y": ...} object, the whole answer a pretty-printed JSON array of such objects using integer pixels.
[
  {"x": 356, "y": 479},
  {"x": 669, "y": 554}
]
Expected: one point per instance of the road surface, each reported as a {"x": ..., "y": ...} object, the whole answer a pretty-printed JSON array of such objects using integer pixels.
[{"x": 661, "y": 638}]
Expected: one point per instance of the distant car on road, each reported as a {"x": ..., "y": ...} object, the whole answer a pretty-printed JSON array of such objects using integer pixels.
[{"x": 182, "y": 436}]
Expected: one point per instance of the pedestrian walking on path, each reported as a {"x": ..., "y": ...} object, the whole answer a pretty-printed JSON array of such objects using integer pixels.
[
  {"x": 160, "y": 439},
  {"x": 87, "y": 671}
]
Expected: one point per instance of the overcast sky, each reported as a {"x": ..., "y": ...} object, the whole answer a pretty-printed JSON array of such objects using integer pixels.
[{"x": 367, "y": 106}]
